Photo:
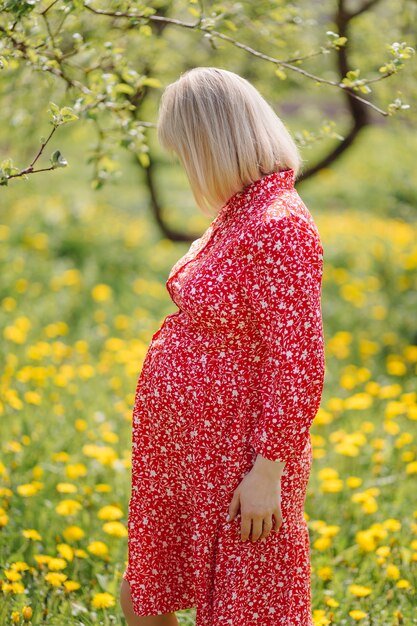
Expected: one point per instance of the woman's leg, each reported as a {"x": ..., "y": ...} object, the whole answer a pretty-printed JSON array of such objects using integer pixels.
[{"x": 168, "y": 619}]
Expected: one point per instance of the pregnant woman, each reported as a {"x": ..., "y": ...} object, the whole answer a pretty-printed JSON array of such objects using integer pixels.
[{"x": 232, "y": 380}]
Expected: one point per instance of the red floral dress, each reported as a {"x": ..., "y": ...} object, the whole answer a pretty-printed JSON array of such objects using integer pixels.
[{"x": 238, "y": 370}]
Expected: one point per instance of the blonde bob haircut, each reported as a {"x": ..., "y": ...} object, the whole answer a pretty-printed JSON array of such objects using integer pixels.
[{"x": 224, "y": 132}]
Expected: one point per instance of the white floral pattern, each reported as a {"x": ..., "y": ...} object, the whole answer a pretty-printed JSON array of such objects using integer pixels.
[{"x": 237, "y": 370}]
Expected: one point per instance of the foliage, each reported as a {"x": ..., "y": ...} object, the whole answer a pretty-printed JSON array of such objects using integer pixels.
[
  {"x": 105, "y": 62},
  {"x": 59, "y": 117}
]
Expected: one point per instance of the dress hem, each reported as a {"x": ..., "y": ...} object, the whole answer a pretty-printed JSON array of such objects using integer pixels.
[{"x": 164, "y": 608}]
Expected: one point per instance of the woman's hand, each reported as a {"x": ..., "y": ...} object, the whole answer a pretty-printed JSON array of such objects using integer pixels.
[{"x": 259, "y": 497}]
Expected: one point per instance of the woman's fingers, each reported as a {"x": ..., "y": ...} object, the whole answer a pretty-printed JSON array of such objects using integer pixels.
[
  {"x": 245, "y": 526},
  {"x": 267, "y": 527},
  {"x": 234, "y": 505},
  {"x": 256, "y": 528},
  {"x": 278, "y": 519}
]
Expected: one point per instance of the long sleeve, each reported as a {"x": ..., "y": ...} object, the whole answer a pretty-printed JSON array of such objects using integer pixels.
[{"x": 283, "y": 264}]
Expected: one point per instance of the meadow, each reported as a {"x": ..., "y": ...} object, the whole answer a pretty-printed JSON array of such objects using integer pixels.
[{"x": 83, "y": 290}]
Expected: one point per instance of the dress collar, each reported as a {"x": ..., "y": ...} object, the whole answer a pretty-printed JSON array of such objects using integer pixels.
[{"x": 261, "y": 189}]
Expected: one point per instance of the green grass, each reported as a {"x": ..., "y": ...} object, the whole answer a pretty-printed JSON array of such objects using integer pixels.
[{"x": 82, "y": 292}]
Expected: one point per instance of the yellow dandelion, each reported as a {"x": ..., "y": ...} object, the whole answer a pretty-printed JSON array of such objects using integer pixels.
[
  {"x": 66, "y": 488},
  {"x": 55, "y": 578},
  {"x": 392, "y": 571},
  {"x": 323, "y": 417},
  {"x": 396, "y": 367},
  {"x": 32, "y": 397},
  {"x": 359, "y": 401},
  {"x": 73, "y": 533},
  {"x": 328, "y": 473},
  {"x": 13, "y": 588},
  {"x": 86, "y": 371},
  {"x": 392, "y": 524},
  {"x": 332, "y": 486},
  {"x": 81, "y": 554},
  {"x": 394, "y": 408},
  {"x": 81, "y": 346},
  {"x": 103, "y": 488},
  {"x": 60, "y": 457},
  {"x": 353, "y": 481},
  {"x": 37, "y": 472},
  {"x": 8, "y": 304},
  {"x": 101, "y": 292},
  {"x": 110, "y": 513},
  {"x": 12, "y": 575},
  {"x": 329, "y": 530},
  {"x": 104, "y": 454},
  {"x": 391, "y": 427},
  {"x": 322, "y": 543},
  {"x": 357, "y": 614},
  {"x": 370, "y": 505},
  {"x": 27, "y": 613},
  {"x": 121, "y": 322},
  {"x": 71, "y": 585},
  {"x": 110, "y": 437},
  {"x": 4, "y": 474},
  {"x": 115, "y": 529},
  {"x": 103, "y": 600},
  {"x": 325, "y": 573},
  {"x": 31, "y": 533},
  {"x": 411, "y": 468},
  {"x": 4, "y": 518},
  {"x": 335, "y": 404},
  {"x": 20, "y": 566},
  {"x": 42, "y": 559},
  {"x": 65, "y": 551},
  {"x": 75, "y": 470},
  {"x": 412, "y": 412},
  {"x": 68, "y": 507},
  {"x": 56, "y": 564},
  {"x": 390, "y": 391},
  {"x": 359, "y": 591},
  {"x": 98, "y": 548},
  {"x": 319, "y": 618},
  {"x": 27, "y": 490}
]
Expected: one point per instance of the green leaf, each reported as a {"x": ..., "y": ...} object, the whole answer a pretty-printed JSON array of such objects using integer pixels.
[
  {"x": 54, "y": 108},
  {"x": 151, "y": 82},
  {"x": 3, "y": 177},
  {"x": 68, "y": 114},
  {"x": 280, "y": 73},
  {"x": 144, "y": 159},
  {"x": 58, "y": 160}
]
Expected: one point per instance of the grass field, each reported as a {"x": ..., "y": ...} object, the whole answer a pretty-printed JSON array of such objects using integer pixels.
[{"x": 82, "y": 292}]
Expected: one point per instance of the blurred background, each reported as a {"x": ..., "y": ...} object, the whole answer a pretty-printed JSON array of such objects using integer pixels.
[{"x": 87, "y": 245}]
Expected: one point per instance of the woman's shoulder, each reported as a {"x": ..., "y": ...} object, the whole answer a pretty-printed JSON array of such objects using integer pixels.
[{"x": 285, "y": 217}]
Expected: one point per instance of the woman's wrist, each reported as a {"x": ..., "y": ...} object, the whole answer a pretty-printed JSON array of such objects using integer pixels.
[{"x": 270, "y": 468}]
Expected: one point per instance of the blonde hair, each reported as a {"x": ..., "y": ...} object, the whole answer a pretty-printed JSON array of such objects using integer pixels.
[{"x": 224, "y": 132}]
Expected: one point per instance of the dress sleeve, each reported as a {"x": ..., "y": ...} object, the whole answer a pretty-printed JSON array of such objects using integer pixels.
[{"x": 283, "y": 265}]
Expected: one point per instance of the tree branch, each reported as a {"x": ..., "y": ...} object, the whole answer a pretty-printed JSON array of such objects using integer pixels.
[
  {"x": 29, "y": 169},
  {"x": 213, "y": 33},
  {"x": 365, "y": 7},
  {"x": 357, "y": 108}
]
